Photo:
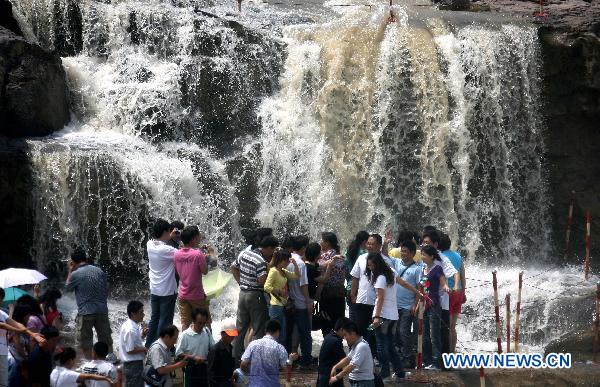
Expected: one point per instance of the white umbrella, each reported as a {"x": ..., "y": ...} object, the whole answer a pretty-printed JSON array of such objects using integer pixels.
[{"x": 15, "y": 277}]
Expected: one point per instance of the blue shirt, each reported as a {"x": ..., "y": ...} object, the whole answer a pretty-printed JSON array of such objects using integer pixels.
[
  {"x": 91, "y": 289},
  {"x": 404, "y": 297},
  {"x": 456, "y": 260},
  {"x": 266, "y": 357}
]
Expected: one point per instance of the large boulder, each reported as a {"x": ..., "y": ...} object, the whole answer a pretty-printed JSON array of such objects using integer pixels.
[{"x": 33, "y": 90}]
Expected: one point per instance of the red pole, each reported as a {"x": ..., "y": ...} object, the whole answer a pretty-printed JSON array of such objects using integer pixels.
[
  {"x": 420, "y": 331},
  {"x": 597, "y": 323},
  {"x": 569, "y": 224},
  {"x": 497, "y": 310},
  {"x": 587, "y": 243},
  {"x": 507, "y": 302},
  {"x": 482, "y": 377},
  {"x": 518, "y": 312}
]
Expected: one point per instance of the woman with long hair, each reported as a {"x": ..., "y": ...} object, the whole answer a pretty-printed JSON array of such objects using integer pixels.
[
  {"x": 356, "y": 248},
  {"x": 333, "y": 292},
  {"x": 434, "y": 282},
  {"x": 385, "y": 314},
  {"x": 276, "y": 286}
]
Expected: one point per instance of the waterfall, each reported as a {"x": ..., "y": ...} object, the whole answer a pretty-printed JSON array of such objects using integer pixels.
[
  {"x": 406, "y": 124},
  {"x": 306, "y": 121}
]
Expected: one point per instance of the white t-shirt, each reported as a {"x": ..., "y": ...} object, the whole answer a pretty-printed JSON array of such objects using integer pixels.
[
  {"x": 102, "y": 368},
  {"x": 162, "y": 268},
  {"x": 63, "y": 377},
  {"x": 130, "y": 337},
  {"x": 449, "y": 271},
  {"x": 3, "y": 341},
  {"x": 388, "y": 309},
  {"x": 294, "y": 290},
  {"x": 366, "y": 293}
]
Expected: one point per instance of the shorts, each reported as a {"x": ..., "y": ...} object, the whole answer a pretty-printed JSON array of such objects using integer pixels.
[
  {"x": 186, "y": 307},
  {"x": 85, "y": 335},
  {"x": 456, "y": 301}
]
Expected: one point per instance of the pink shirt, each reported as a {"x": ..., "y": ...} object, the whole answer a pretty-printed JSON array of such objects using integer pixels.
[{"x": 189, "y": 264}]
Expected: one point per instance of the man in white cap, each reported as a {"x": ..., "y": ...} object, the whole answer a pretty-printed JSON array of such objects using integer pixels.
[{"x": 220, "y": 358}]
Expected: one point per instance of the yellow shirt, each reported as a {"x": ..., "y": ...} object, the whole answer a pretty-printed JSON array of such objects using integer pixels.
[
  {"x": 395, "y": 253},
  {"x": 277, "y": 281}
]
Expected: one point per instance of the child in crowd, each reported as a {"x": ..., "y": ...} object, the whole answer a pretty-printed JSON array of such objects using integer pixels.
[
  {"x": 64, "y": 376},
  {"x": 99, "y": 366}
]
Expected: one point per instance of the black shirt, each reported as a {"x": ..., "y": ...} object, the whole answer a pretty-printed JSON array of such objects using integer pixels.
[
  {"x": 39, "y": 365},
  {"x": 332, "y": 351},
  {"x": 312, "y": 272},
  {"x": 220, "y": 365}
]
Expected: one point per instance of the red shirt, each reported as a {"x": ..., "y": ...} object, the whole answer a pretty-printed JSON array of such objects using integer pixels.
[{"x": 189, "y": 264}]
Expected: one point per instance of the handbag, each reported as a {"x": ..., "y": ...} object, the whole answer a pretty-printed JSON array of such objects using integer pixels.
[{"x": 152, "y": 377}]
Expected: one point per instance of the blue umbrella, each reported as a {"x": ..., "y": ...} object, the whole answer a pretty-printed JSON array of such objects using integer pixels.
[{"x": 11, "y": 295}]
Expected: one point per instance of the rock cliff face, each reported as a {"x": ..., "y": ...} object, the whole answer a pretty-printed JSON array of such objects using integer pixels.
[
  {"x": 572, "y": 80},
  {"x": 33, "y": 92},
  {"x": 570, "y": 37},
  {"x": 15, "y": 217}
]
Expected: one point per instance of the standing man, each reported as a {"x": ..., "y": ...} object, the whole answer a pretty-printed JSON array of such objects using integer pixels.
[
  {"x": 250, "y": 272},
  {"x": 194, "y": 343},
  {"x": 407, "y": 301},
  {"x": 358, "y": 365},
  {"x": 163, "y": 288},
  {"x": 91, "y": 292},
  {"x": 265, "y": 357},
  {"x": 131, "y": 345},
  {"x": 303, "y": 304},
  {"x": 362, "y": 294},
  {"x": 191, "y": 265}
]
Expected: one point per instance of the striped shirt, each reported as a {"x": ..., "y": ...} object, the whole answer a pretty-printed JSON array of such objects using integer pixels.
[{"x": 251, "y": 266}]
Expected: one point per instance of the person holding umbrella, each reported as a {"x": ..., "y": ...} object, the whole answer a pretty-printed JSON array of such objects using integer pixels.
[{"x": 8, "y": 324}]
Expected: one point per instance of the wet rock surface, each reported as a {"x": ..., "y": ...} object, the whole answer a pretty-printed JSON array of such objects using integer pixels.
[{"x": 33, "y": 91}]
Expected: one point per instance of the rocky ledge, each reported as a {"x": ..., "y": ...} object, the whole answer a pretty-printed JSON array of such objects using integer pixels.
[{"x": 33, "y": 91}]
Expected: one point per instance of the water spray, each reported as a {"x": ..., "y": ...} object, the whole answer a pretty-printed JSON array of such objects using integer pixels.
[{"x": 588, "y": 225}]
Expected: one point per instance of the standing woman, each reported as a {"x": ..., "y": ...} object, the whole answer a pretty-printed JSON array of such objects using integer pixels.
[
  {"x": 276, "y": 286},
  {"x": 434, "y": 282},
  {"x": 333, "y": 295},
  {"x": 356, "y": 248},
  {"x": 385, "y": 314}
]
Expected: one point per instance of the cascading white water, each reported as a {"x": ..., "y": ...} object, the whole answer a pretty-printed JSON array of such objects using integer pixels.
[
  {"x": 183, "y": 114},
  {"x": 416, "y": 122}
]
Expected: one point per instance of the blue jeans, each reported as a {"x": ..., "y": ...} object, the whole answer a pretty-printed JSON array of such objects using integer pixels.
[
  {"x": 386, "y": 349},
  {"x": 302, "y": 321},
  {"x": 432, "y": 336},
  {"x": 163, "y": 309},
  {"x": 405, "y": 338},
  {"x": 277, "y": 312}
]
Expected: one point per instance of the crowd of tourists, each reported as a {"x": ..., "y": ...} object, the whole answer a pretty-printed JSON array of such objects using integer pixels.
[{"x": 288, "y": 289}]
